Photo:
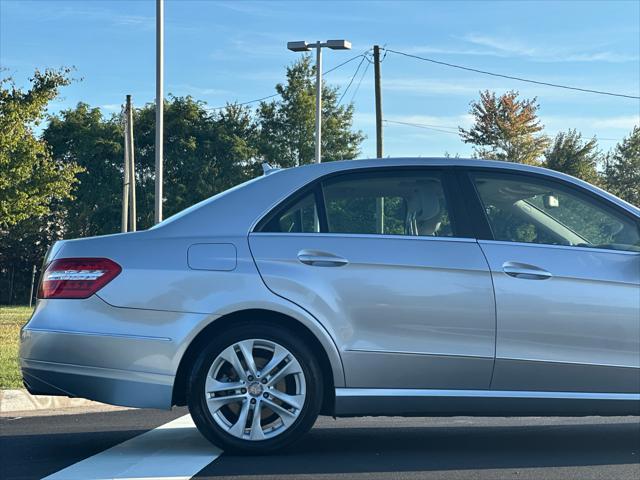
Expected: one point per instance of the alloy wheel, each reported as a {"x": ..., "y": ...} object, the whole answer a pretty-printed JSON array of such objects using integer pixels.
[{"x": 255, "y": 389}]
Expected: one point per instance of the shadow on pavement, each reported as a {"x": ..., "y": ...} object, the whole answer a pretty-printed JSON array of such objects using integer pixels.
[{"x": 368, "y": 450}]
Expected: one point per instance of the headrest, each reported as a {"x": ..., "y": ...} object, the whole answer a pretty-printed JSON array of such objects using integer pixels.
[{"x": 424, "y": 202}]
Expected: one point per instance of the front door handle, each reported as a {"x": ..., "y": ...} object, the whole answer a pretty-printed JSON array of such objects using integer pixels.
[
  {"x": 525, "y": 271},
  {"x": 321, "y": 259}
]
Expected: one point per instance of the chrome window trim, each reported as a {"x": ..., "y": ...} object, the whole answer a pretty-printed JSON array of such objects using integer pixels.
[
  {"x": 563, "y": 247},
  {"x": 402, "y": 392},
  {"x": 310, "y": 185},
  {"x": 366, "y": 235}
]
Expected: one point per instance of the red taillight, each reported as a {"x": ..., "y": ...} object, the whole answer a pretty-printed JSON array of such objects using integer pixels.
[{"x": 76, "y": 277}]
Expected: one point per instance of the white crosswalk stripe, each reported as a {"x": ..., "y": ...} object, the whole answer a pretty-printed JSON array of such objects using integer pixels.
[{"x": 173, "y": 451}]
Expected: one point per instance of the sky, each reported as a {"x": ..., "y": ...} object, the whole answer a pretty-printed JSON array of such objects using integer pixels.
[{"x": 227, "y": 51}]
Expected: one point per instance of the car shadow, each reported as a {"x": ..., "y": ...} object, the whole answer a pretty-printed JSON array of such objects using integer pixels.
[{"x": 413, "y": 449}]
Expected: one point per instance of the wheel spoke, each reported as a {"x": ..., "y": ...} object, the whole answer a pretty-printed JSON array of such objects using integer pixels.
[
  {"x": 290, "y": 368},
  {"x": 295, "y": 401},
  {"x": 229, "y": 354},
  {"x": 239, "y": 426},
  {"x": 285, "y": 415},
  {"x": 214, "y": 386},
  {"x": 216, "y": 403},
  {"x": 279, "y": 355},
  {"x": 246, "y": 347},
  {"x": 256, "y": 432}
]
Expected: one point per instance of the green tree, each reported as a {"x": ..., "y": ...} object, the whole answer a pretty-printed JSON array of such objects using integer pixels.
[
  {"x": 29, "y": 178},
  {"x": 204, "y": 153},
  {"x": 572, "y": 155},
  {"x": 32, "y": 183},
  {"x": 82, "y": 136},
  {"x": 287, "y": 125},
  {"x": 506, "y": 128},
  {"x": 622, "y": 171}
]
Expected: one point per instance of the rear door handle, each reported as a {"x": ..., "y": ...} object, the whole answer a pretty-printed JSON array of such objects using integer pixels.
[
  {"x": 321, "y": 259},
  {"x": 525, "y": 271}
]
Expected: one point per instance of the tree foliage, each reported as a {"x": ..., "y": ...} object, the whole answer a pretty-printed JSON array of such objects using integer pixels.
[
  {"x": 622, "y": 171},
  {"x": 30, "y": 180},
  {"x": 204, "y": 153},
  {"x": 81, "y": 136},
  {"x": 32, "y": 183},
  {"x": 572, "y": 155},
  {"x": 287, "y": 126},
  {"x": 506, "y": 128}
]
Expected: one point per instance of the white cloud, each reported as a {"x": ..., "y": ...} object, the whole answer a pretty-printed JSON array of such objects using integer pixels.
[
  {"x": 514, "y": 47},
  {"x": 111, "y": 107},
  {"x": 424, "y": 87},
  {"x": 189, "y": 89},
  {"x": 623, "y": 123}
]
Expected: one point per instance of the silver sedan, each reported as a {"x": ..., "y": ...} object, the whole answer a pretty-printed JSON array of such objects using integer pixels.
[{"x": 368, "y": 287}]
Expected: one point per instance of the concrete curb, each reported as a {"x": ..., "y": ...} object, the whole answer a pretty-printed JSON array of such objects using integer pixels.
[{"x": 23, "y": 401}]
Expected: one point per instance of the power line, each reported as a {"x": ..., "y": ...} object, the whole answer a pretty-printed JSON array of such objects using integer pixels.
[
  {"x": 364, "y": 72},
  {"x": 422, "y": 125},
  {"x": 344, "y": 92},
  {"x": 520, "y": 79},
  {"x": 344, "y": 63},
  {"x": 248, "y": 102}
]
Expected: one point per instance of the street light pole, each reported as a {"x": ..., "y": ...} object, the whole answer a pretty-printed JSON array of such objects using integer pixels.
[
  {"x": 159, "y": 107},
  {"x": 303, "y": 46},
  {"x": 318, "y": 102}
]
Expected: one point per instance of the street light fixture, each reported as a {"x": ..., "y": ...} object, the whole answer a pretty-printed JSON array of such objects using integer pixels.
[{"x": 303, "y": 46}]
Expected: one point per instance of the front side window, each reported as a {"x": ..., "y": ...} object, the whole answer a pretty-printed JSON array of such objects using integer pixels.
[
  {"x": 525, "y": 209},
  {"x": 394, "y": 203}
]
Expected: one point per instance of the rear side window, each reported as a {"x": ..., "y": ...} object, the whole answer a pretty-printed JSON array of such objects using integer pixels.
[
  {"x": 301, "y": 216},
  {"x": 397, "y": 203},
  {"x": 531, "y": 210},
  {"x": 390, "y": 203}
]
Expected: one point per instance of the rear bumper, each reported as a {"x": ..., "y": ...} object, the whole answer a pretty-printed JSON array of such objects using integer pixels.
[
  {"x": 125, "y": 388},
  {"x": 89, "y": 349}
]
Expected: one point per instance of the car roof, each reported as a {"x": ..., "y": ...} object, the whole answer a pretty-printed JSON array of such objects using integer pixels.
[
  {"x": 237, "y": 209},
  {"x": 320, "y": 169}
]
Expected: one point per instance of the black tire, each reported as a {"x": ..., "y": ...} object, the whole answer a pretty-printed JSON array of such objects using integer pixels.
[{"x": 196, "y": 392}]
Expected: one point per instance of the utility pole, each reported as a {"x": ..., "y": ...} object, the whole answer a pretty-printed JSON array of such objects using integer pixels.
[
  {"x": 126, "y": 177},
  {"x": 378, "y": 92},
  {"x": 159, "y": 106},
  {"x": 33, "y": 281},
  {"x": 318, "y": 157},
  {"x": 132, "y": 167},
  {"x": 303, "y": 46},
  {"x": 379, "y": 152}
]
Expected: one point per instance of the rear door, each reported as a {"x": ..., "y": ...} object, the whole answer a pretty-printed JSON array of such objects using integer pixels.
[
  {"x": 566, "y": 270},
  {"x": 383, "y": 260}
]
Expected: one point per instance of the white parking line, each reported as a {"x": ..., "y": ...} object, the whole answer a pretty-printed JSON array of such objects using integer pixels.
[{"x": 175, "y": 450}]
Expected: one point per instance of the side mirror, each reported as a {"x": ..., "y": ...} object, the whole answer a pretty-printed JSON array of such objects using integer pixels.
[{"x": 551, "y": 201}]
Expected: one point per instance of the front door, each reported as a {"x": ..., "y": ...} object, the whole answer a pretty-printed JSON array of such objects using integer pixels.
[
  {"x": 378, "y": 259},
  {"x": 566, "y": 271}
]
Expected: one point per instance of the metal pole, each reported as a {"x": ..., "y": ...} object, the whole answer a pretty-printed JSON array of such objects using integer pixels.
[
  {"x": 159, "y": 106},
  {"x": 132, "y": 167},
  {"x": 379, "y": 153},
  {"x": 318, "y": 102},
  {"x": 124, "y": 225},
  {"x": 378, "y": 92},
  {"x": 33, "y": 281}
]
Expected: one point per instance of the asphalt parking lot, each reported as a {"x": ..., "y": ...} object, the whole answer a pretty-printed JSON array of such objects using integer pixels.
[{"x": 129, "y": 444}]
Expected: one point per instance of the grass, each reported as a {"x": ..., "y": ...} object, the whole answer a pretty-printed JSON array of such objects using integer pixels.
[{"x": 11, "y": 319}]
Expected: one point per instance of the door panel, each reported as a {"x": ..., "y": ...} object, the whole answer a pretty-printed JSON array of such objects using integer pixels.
[
  {"x": 578, "y": 330},
  {"x": 566, "y": 270},
  {"x": 406, "y": 312}
]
